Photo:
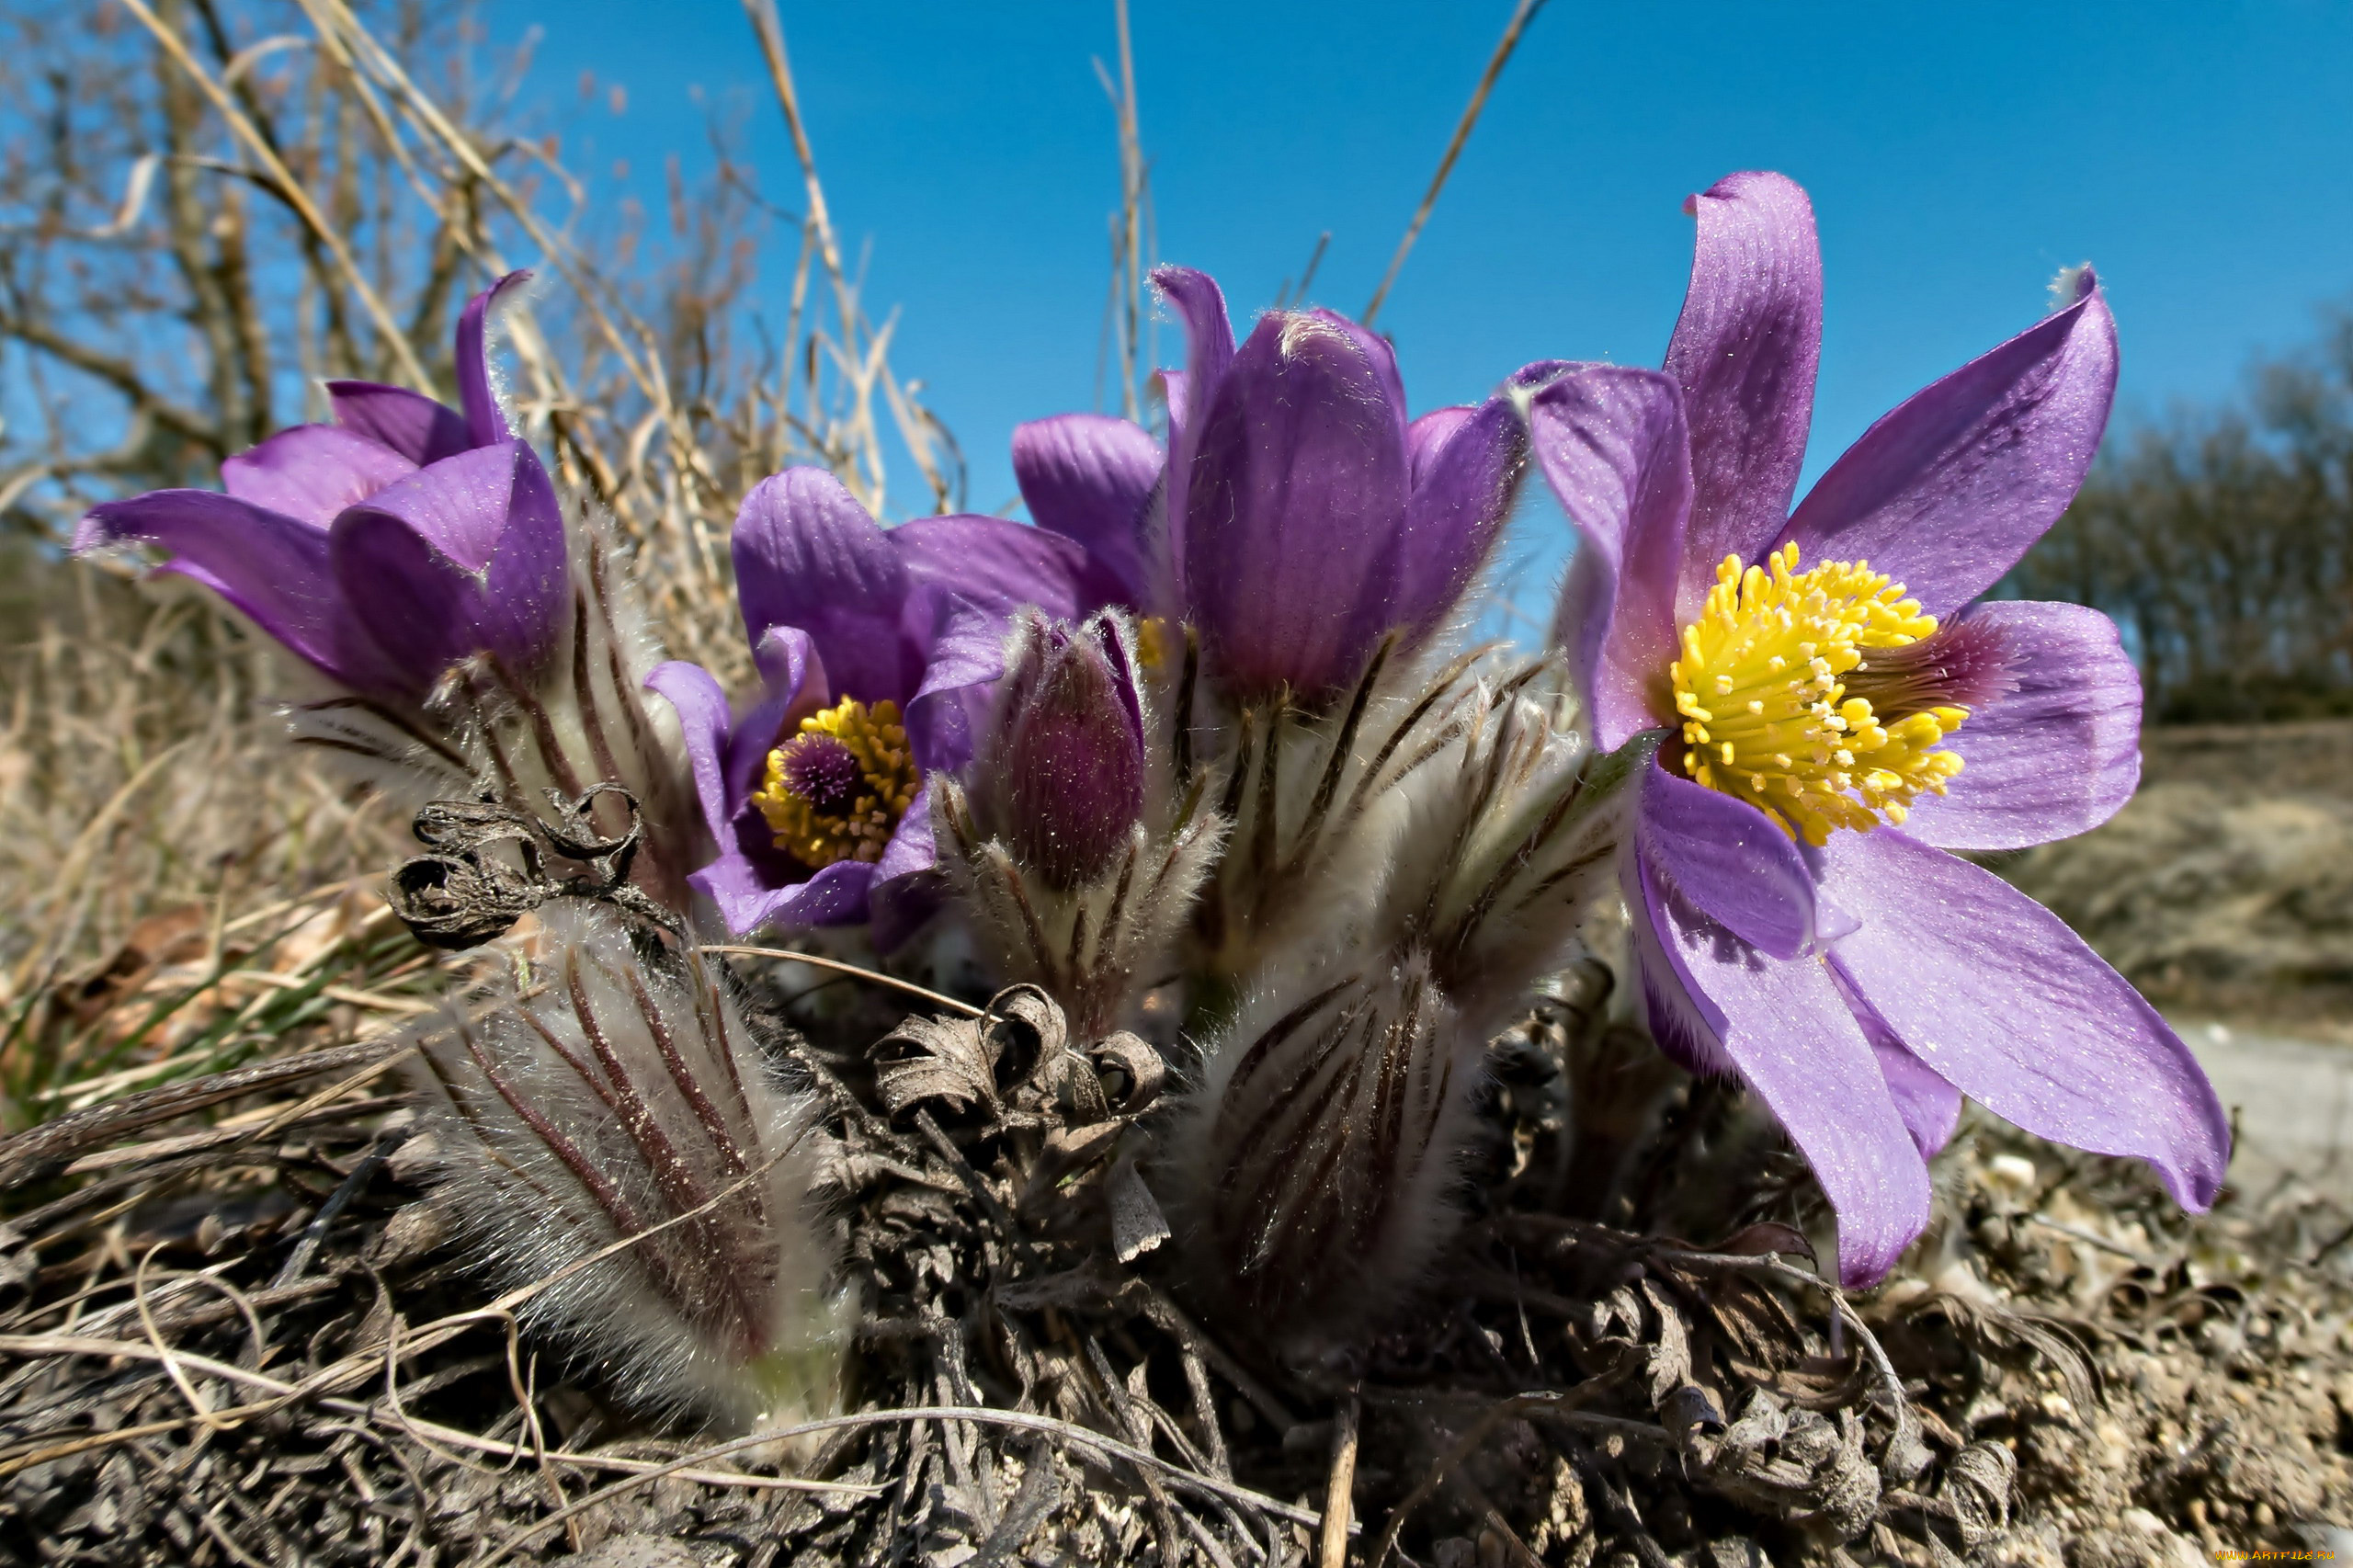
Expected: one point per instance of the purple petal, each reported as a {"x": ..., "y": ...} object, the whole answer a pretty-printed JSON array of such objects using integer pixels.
[
  {"x": 1295, "y": 505},
  {"x": 2057, "y": 757},
  {"x": 701, "y": 707},
  {"x": 808, "y": 555},
  {"x": 272, "y": 567},
  {"x": 1087, "y": 477},
  {"x": 907, "y": 889},
  {"x": 1613, "y": 448},
  {"x": 1786, "y": 1029},
  {"x": 748, "y": 900},
  {"x": 485, "y": 421},
  {"x": 459, "y": 505},
  {"x": 1681, "y": 1027},
  {"x": 1996, "y": 994},
  {"x": 466, "y": 556},
  {"x": 1946, "y": 493},
  {"x": 1380, "y": 354},
  {"x": 1208, "y": 350},
  {"x": 312, "y": 471},
  {"x": 1745, "y": 352},
  {"x": 945, "y": 714},
  {"x": 1730, "y": 860},
  {"x": 1930, "y": 1106},
  {"x": 1428, "y": 437},
  {"x": 1456, "y": 514},
  {"x": 996, "y": 564},
  {"x": 409, "y": 422},
  {"x": 792, "y": 679}
]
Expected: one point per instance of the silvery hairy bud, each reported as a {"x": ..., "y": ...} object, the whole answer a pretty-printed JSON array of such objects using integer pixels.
[
  {"x": 1313, "y": 1171},
  {"x": 1315, "y": 1161},
  {"x": 607, "y": 1131},
  {"x": 1077, "y": 855}
]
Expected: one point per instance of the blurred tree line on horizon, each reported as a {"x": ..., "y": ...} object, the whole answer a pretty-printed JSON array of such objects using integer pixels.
[{"x": 2220, "y": 540}]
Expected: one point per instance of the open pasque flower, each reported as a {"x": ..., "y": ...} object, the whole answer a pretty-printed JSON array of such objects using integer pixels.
[
  {"x": 877, "y": 648},
  {"x": 1840, "y": 716},
  {"x": 386, "y": 547},
  {"x": 1298, "y": 517}
]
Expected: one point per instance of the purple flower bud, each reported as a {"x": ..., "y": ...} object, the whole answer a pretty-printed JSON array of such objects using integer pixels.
[
  {"x": 383, "y": 547},
  {"x": 1308, "y": 518},
  {"x": 1067, "y": 773}
]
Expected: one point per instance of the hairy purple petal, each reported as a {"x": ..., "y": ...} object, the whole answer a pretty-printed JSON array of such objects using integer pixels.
[
  {"x": 1787, "y": 1030},
  {"x": 1428, "y": 437},
  {"x": 1730, "y": 860},
  {"x": 1088, "y": 477},
  {"x": 1613, "y": 448},
  {"x": 997, "y": 564},
  {"x": 701, "y": 707},
  {"x": 409, "y": 422},
  {"x": 270, "y": 566},
  {"x": 1946, "y": 493},
  {"x": 1996, "y": 994},
  {"x": 466, "y": 556},
  {"x": 2058, "y": 755},
  {"x": 485, "y": 421},
  {"x": 1294, "y": 510},
  {"x": 1380, "y": 354},
  {"x": 808, "y": 555},
  {"x": 1745, "y": 352},
  {"x": 312, "y": 471},
  {"x": 1456, "y": 513},
  {"x": 1208, "y": 350},
  {"x": 1072, "y": 765}
]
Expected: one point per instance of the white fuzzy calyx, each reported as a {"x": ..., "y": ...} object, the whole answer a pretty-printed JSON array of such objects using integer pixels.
[{"x": 609, "y": 1134}]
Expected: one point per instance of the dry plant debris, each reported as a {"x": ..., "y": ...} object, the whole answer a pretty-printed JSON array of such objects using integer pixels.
[{"x": 255, "y": 1342}]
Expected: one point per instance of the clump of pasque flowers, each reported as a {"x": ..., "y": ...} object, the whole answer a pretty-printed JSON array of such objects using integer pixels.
[
  {"x": 1274, "y": 802},
  {"x": 1204, "y": 753}
]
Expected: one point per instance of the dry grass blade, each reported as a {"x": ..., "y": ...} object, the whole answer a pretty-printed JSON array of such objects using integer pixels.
[
  {"x": 1522, "y": 14},
  {"x": 1018, "y": 1420},
  {"x": 872, "y": 976}
]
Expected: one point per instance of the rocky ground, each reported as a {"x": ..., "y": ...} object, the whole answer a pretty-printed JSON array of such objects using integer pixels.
[{"x": 2224, "y": 889}]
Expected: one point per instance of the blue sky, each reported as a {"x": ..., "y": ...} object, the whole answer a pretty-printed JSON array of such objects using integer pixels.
[{"x": 1958, "y": 156}]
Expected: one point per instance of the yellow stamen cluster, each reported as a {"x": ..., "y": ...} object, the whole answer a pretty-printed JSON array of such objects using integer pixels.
[
  {"x": 1762, "y": 692},
  {"x": 818, "y": 837}
]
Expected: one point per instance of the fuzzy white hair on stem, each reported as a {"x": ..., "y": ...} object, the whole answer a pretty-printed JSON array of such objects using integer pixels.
[
  {"x": 1317, "y": 807},
  {"x": 603, "y": 1096},
  {"x": 1095, "y": 948}
]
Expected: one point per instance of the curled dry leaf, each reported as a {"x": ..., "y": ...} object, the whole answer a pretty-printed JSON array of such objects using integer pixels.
[{"x": 949, "y": 1060}]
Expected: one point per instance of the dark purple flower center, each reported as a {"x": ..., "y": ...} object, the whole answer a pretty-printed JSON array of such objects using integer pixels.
[{"x": 820, "y": 770}]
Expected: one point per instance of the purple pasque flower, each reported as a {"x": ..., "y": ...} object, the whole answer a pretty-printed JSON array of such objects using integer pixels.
[
  {"x": 877, "y": 648},
  {"x": 1301, "y": 518},
  {"x": 382, "y": 548},
  {"x": 1838, "y": 716}
]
